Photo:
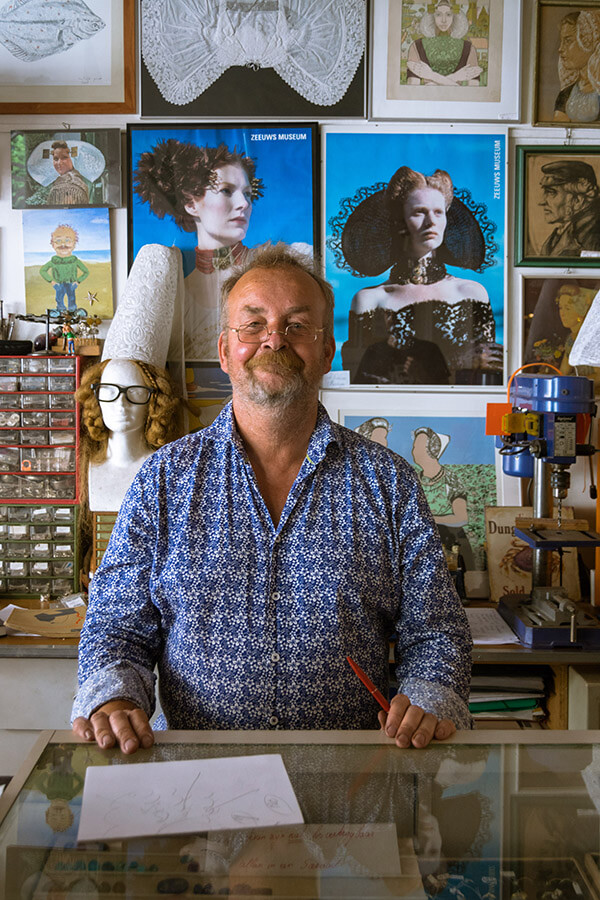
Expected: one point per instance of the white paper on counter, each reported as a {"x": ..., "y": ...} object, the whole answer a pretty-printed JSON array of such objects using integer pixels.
[{"x": 146, "y": 799}]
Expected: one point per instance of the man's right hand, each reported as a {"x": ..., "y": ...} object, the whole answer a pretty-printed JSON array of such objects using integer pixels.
[{"x": 116, "y": 722}]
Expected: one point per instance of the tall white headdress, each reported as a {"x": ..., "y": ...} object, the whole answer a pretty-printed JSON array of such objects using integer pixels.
[{"x": 149, "y": 310}]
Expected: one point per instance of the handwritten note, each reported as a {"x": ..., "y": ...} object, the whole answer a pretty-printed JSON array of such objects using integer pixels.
[
  {"x": 144, "y": 799},
  {"x": 488, "y": 627}
]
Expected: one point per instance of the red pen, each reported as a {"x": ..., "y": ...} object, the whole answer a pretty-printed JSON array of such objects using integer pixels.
[{"x": 369, "y": 685}]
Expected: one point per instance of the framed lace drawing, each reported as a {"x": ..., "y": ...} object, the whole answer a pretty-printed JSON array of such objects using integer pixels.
[
  {"x": 67, "y": 57},
  {"x": 567, "y": 64},
  {"x": 247, "y": 58},
  {"x": 446, "y": 60},
  {"x": 415, "y": 249},
  {"x": 217, "y": 192}
]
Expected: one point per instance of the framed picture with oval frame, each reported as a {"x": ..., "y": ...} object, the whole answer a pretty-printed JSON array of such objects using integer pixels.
[
  {"x": 563, "y": 181},
  {"x": 567, "y": 64}
]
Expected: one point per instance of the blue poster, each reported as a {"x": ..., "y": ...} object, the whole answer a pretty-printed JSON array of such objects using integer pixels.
[
  {"x": 454, "y": 460},
  {"x": 415, "y": 251},
  {"x": 217, "y": 193}
]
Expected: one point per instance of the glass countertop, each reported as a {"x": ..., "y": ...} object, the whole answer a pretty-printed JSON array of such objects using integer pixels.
[{"x": 494, "y": 815}]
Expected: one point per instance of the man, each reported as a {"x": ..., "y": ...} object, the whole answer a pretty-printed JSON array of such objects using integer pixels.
[
  {"x": 249, "y": 559},
  {"x": 571, "y": 201},
  {"x": 70, "y": 188},
  {"x": 64, "y": 271}
]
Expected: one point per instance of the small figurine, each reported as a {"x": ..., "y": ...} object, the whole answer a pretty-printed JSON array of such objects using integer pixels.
[{"x": 68, "y": 338}]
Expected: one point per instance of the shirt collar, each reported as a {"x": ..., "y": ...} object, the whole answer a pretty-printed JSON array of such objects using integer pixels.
[{"x": 326, "y": 432}]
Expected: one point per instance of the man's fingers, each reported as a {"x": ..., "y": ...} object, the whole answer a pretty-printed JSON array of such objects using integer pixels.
[
  {"x": 444, "y": 729},
  {"x": 83, "y": 728},
  {"x": 102, "y": 730},
  {"x": 129, "y": 727},
  {"x": 141, "y": 726}
]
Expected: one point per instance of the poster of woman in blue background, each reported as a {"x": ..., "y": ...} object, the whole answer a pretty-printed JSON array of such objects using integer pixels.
[
  {"x": 216, "y": 193},
  {"x": 415, "y": 252}
]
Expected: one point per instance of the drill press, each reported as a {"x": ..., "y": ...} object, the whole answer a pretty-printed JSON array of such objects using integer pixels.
[{"x": 541, "y": 435}]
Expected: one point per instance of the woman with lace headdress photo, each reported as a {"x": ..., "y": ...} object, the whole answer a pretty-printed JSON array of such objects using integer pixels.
[
  {"x": 209, "y": 191},
  {"x": 579, "y": 68},
  {"x": 442, "y": 55},
  {"x": 422, "y": 325}
]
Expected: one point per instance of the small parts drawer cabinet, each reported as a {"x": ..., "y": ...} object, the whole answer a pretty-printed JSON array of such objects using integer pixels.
[
  {"x": 39, "y": 428},
  {"x": 39, "y": 443}
]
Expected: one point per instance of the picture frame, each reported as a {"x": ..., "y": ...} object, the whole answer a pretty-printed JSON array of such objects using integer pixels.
[
  {"x": 405, "y": 30},
  {"x": 563, "y": 95},
  {"x": 66, "y": 168},
  {"x": 244, "y": 60},
  {"x": 376, "y": 342},
  {"x": 95, "y": 75},
  {"x": 265, "y": 163},
  {"x": 563, "y": 180},
  {"x": 459, "y": 418},
  {"x": 553, "y": 308}
]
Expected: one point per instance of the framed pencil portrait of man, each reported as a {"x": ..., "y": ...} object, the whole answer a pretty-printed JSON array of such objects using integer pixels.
[
  {"x": 558, "y": 206},
  {"x": 567, "y": 64}
]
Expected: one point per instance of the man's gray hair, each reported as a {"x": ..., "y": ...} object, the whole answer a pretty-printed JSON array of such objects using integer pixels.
[{"x": 279, "y": 256}]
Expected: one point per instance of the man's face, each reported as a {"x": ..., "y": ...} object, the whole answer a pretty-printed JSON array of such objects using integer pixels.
[
  {"x": 63, "y": 244},
  {"x": 557, "y": 204},
  {"x": 275, "y": 373},
  {"x": 62, "y": 161}
]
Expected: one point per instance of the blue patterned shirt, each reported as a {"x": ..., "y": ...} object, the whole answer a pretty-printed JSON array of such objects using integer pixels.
[{"x": 249, "y": 622}]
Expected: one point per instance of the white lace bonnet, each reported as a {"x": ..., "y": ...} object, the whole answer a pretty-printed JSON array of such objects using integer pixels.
[{"x": 149, "y": 308}]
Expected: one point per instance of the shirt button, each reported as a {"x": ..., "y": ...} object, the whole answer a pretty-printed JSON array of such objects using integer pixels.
[
  {"x": 277, "y": 538},
  {"x": 275, "y": 595},
  {"x": 274, "y": 657},
  {"x": 273, "y": 720}
]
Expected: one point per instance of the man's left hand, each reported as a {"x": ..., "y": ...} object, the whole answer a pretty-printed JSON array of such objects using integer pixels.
[{"x": 410, "y": 725}]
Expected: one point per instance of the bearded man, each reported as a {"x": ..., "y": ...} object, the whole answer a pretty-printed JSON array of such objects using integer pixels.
[{"x": 249, "y": 559}]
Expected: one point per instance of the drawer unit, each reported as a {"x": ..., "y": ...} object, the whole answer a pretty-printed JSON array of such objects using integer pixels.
[
  {"x": 39, "y": 428},
  {"x": 38, "y": 550}
]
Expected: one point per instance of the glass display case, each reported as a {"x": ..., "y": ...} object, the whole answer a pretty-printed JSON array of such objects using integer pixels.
[{"x": 488, "y": 815}]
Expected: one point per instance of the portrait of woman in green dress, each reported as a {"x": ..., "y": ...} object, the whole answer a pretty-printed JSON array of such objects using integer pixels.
[{"x": 442, "y": 55}]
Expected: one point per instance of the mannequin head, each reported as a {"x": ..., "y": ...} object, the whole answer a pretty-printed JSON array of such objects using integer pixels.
[
  {"x": 157, "y": 418},
  {"x": 128, "y": 411}
]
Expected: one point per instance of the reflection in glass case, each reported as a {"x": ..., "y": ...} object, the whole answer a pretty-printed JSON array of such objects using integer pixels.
[{"x": 469, "y": 818}]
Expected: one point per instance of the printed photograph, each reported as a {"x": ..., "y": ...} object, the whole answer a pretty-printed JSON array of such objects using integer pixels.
[
  {"x": 217, "y": 193},
  {"x": 455, "y": 462},
  {"x": 67, "y": 262},
  {"x": 558, "y": 200},
  {"x": 567, "y": 65},
  {"x": 57, "y": 169},
  {"x": 416, "y": 256},
  {"x": 553, "y": 312},
  {"x": 249, "y": 58}
]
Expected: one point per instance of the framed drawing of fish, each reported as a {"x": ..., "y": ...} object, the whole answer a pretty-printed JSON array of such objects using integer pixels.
[{"x": 67, "y": 56}]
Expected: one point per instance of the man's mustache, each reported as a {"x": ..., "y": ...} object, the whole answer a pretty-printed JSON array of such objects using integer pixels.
[{"x": 284, "y": 361}]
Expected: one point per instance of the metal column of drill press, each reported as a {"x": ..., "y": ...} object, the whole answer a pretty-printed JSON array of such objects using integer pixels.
[{"x": 541, "y": 439}]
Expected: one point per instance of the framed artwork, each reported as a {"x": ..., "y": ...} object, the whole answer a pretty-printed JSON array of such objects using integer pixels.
[
  {"x": 67, "y": 262},
  {"x": 75, "y": 58},
  {"x": 416, "y": 255},
  {"x": 558, "y": 206},
  {"x": 458, "y": 466},
  {"x": 246, "y": 59},
  {"x": 567, "y": 55},
  {"x": 208, "y": 389},
  {"x": 56, "y": 169},
  {"x": 215, "y": 192},
  {"x": 446, "y": 60},
  {"x": 553, "y": 312}
]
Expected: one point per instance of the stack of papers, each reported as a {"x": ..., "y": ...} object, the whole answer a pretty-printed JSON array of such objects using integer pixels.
[{"x": 513, "y": 697}]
